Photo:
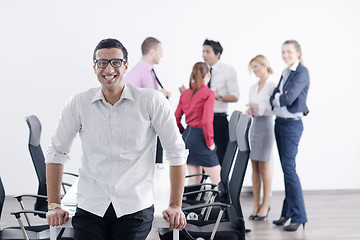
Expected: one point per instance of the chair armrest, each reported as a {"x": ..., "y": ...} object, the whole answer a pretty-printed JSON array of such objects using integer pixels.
[
  {"x": 20, "y": 196},
  {"x": 216, "y": 204},
  {"x": 200, "y": 174},
  {"x": 17, "y": 213},
  {"x": 201, "y": 191},
  {"x": 71, "y": 174},
  {"x": 201, "y": 184}
]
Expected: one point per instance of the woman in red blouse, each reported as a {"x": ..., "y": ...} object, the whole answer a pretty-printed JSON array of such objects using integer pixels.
[{"x": 197, "y": 103}]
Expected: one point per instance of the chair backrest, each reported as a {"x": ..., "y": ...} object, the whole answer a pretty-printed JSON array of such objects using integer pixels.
[
  {"x": 240, "y": 164},
  {"x": 2, "y": 196},
  {"x": 38, "y": 159},
  {"x": 229, "y": 153}
]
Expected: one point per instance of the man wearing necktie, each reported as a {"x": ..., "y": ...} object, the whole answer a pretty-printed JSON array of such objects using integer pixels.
[
  {"x": 143, "y": 75},
  {"x": 225, "y": 85}
]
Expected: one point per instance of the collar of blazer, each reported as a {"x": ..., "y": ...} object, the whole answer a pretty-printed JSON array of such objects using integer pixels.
[{"x": 291, "y": 76}]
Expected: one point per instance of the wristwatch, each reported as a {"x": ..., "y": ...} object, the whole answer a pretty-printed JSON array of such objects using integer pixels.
[
  {"x": 220, "y": 98},
  {"x": 53, "y": 206}
]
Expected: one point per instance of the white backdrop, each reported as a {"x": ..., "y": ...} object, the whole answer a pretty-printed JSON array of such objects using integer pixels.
[{"x": 46, "y": 57}]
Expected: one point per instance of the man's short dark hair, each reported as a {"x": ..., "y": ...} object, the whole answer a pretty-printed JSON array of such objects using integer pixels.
[
  {"x": 111, "y": 43},
  {"x": 216, "y": 46},
  {"x": 148, "y": 44}
]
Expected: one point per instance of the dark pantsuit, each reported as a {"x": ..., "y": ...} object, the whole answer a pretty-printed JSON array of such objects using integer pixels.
[
  {"x": 135, "y": 226},
  {"x": 288, "y": 133},
  {"x": 221, "y": 134}
]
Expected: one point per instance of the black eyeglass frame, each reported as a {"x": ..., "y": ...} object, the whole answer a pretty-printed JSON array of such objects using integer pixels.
[{"x": 123, "y": 61}]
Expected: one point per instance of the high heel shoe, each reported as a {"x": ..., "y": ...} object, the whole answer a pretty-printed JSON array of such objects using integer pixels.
[
  {"x": 252, "y": 217},
  {"x": 261, "y": 218},
  {"x": 292, "y": 227},
  {"x": 281, "y": 221}
]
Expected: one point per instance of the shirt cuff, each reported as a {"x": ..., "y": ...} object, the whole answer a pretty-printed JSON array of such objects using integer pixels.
[
  {"x": 177, "y": 159},
  {"x": 54, "y": 157}
]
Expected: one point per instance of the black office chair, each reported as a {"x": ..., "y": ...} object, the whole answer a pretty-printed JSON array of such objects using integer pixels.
[
  {"x": 38, "y": 160},
  {"x": 28, "y": 232},
  {"x": 234, "y": 228},
  {"x": 242, "y": 129},
  {"x": 221, "y": 194}
]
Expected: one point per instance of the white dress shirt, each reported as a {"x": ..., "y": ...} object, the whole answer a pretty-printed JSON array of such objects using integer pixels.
[
  {"x": 282, "y": 111},
  {"x": 262, "y": 98},
  {"x": 119, "y": 145},
  {"x": 224, "y": 79}
]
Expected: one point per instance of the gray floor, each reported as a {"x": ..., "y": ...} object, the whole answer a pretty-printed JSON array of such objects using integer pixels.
[{"x": 331, "y": 214}]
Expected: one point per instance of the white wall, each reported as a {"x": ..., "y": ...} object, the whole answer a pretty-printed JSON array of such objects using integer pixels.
[{"x": 46, "y": 57}]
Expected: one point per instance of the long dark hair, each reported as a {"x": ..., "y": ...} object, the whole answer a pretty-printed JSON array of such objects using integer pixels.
[{"x": 197, "y": 76}]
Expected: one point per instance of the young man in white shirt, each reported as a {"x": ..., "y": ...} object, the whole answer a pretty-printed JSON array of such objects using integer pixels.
[
  {"x": 225, "y": 85},
  {"x": 118, "y": 125}
]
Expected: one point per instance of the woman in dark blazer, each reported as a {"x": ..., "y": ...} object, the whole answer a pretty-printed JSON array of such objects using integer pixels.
[{"x": 289, "y": 103}]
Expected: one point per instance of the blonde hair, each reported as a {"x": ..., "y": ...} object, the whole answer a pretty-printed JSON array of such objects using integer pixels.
[
  {"x": 297, "y": 48},
  {"x": 263, "y": 61}
]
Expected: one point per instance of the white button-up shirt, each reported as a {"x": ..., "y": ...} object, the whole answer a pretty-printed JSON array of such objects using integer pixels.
[
  {"x": 224, "y": 79},
  {"x": 119, "y": 145},
  {"x": 262, "y": 98}
]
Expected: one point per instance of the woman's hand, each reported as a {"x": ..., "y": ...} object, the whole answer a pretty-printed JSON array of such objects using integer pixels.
[
  {"x": 212, "y": 147},
  {"x": 249, "y": 111},
  {"x": 252, "y": 107}
]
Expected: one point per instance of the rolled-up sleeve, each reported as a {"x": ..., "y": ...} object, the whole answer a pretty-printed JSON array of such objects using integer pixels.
[
  {"x": 164, "y": 123},
  {"x": 67, "y": 128}
]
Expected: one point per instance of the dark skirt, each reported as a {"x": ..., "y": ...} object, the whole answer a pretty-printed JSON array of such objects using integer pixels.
[{"x": 199, "y": 153}]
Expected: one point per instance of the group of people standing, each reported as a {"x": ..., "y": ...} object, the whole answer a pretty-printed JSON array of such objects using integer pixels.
[{"x": 212, "y": 85}]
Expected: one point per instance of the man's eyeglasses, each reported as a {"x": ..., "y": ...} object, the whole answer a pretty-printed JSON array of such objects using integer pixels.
[{"x": 116, "y": 62}]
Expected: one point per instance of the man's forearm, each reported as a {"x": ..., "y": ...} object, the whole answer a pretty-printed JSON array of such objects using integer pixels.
[
  {"x": 177, "y": 181},
  {"x": 54, "y": 173},
  {"x": 229, "y": 98}
]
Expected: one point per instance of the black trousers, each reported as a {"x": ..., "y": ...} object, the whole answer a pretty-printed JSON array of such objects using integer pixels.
[
  {"x": 135, "y": 226},
  {"x": 221, "y": 134},
  {"x": 159, "y": 152}
]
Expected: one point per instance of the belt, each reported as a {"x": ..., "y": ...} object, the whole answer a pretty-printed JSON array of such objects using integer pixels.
[
  {"x": 288, "y": 119},
  {"x": 220, "y": 114}
]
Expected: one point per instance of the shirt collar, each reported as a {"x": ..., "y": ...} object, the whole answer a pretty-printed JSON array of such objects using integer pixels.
[
  {"x": 215, "y": 66},
  {"x": 146, "y": 65},
  {"x": 98, "y": 96},
  {"x": 126, "y": 93},
  {"x": 295, "y": 65}
]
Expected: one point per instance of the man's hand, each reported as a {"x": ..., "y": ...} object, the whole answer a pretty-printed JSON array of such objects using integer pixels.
[
  {"x": 166, "y": 93},
  {"x": 57, "y": 217},
  {"x": 217, "y": 95},
  {"x": 175, "y": 216}
]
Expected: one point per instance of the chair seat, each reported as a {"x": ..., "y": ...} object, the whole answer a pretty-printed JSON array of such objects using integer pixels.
[{"x": 224, "y": 232}]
